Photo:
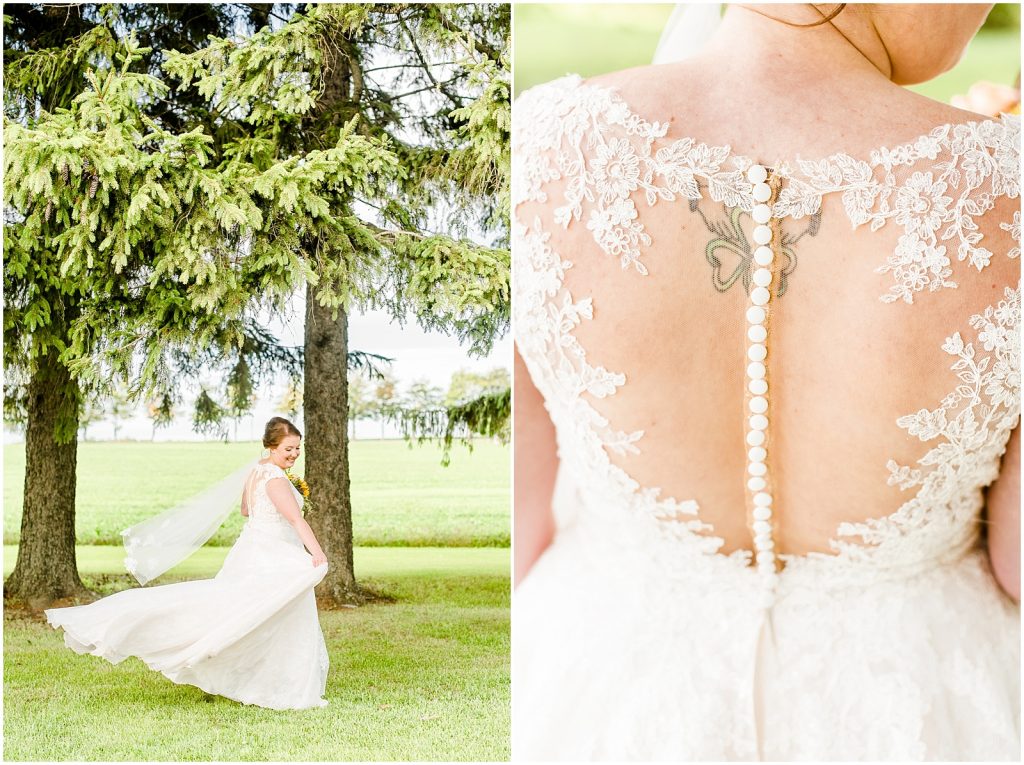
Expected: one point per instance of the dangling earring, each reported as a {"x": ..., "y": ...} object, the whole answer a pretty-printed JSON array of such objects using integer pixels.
[{"x": 265, "y": 454}]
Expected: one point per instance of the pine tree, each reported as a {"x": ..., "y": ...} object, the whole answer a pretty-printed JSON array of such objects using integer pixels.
[
  {"x": 146, "y": 226},
  {"x": 444, "y": 118},
  {"x": 72, "y": 102},
  {"x": 44, "y": 68},
  {"x": 466, "y": 385}
]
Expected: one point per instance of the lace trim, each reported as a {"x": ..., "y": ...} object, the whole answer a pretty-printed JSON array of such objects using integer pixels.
[
  {"x": 567, "y": 119},
  {"x": 270, "y": 470},
  {"x": 975, "y": 420},
  {"x": 558, "y": 363},
  {"x": 564, "y": 118}
]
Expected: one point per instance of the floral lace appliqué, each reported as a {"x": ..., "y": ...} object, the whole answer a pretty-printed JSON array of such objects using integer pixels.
[
  {"x": 546, "y": 316},
  {"x": 605, "y": 157},
  {"x": 605, "y": 153},
  {"x": 588, "y": 137},
  {"x": 971, "y": 427}
]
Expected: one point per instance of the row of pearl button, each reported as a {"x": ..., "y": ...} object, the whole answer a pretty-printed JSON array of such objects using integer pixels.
[{"x": 757, "y": 383}]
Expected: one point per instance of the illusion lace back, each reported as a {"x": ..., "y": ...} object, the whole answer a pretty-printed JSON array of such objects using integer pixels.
[
  {"x": 251, "y": 633},
  {"x": 262, "y": 512},
  {"x": 778, "y": 395}
]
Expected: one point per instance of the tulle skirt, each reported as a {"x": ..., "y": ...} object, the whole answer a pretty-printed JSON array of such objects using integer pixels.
[
  {"x": 615, "y": 657},
  {"x": 250, "y": 634}
]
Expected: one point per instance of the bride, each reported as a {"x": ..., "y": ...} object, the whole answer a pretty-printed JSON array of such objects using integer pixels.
[
  {"x": 767, "y": 313},
  {"x": 251, "y": 633}
]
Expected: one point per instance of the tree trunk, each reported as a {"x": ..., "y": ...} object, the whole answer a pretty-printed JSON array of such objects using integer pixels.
[
  {"x": 46, "y": 569},
  {"x": 325, "y": 397},
  {"x": 325, "y": 372}
]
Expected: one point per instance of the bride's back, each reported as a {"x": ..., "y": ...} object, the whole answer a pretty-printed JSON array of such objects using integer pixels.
[{"x": 891, "y": 393}]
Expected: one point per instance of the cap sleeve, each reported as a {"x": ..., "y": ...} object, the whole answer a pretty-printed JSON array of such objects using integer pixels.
[{"x": 267, "y": 471}]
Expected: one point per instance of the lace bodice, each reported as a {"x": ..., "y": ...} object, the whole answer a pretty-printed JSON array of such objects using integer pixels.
[
  {"x": 635, "y": 265},
  {"x": 261, "y": 507}
]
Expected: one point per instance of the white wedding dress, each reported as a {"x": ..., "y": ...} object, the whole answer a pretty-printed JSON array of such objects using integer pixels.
[
  {"x": 717, "y": 403},
  {"x": 250, "y": 634}
]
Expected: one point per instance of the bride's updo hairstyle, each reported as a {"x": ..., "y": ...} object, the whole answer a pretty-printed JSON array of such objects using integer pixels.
[{"x": 277, "y": 430}]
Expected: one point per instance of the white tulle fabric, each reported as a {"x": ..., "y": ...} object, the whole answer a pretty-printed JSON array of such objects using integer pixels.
[
  {"x": 633, "y": 637},
  {"x": 687, "y": 31},
  {"x": 158, "y": 544},
  {"x": 251, "y": 633}
]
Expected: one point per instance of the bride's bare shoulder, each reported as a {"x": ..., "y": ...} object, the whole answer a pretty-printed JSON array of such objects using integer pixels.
[
  {"x": 712, "y": 104},
  {"x": 654, "y": 85},
  {"x": 645, "y": 76}
]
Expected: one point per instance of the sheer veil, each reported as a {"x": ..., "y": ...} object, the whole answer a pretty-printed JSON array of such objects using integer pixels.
[
  {"x": 687, "y": 29},
  {"x": 163, "y": 541}
]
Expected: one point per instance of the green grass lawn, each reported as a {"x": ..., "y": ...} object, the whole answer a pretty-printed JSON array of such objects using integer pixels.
[
  {"x": 423, "y": 678},
  {"x": 400, "y": 495},
  {"x": 554, "y": 39}
]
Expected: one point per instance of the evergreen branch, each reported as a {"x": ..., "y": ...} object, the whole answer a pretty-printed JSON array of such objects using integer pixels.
[
  {"x": 369, "y": 363},
  {"x": 456, "y": 102},
  {"x": 435, "y": 85},
  {"x": 487, "y": 415},
  {"x": 473, "y": 43}
]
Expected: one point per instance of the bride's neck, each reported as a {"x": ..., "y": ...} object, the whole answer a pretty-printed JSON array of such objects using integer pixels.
[{"x": 847, "y": 46}]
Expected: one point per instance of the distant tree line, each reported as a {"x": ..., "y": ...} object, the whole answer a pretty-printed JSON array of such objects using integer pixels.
[{"x": 373, "y": 396}]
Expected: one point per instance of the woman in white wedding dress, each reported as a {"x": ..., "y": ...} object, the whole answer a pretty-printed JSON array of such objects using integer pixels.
[
  {"x": 767, "y": 311},
  {"x": 251, "y": 633}
]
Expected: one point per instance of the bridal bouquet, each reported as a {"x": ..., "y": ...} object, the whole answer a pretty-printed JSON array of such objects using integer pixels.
[{"x": 301, "y": 487}]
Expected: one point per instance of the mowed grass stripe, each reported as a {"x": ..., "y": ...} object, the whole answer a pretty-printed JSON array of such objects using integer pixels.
[
  {"x": 369, "y": 561},
  {"x": 400, "y": 495}
]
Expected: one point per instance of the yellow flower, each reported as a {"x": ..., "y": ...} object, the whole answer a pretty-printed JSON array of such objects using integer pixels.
[
  {"x": 300, "y": 485},
  {"x": 303, "y": 488}
]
